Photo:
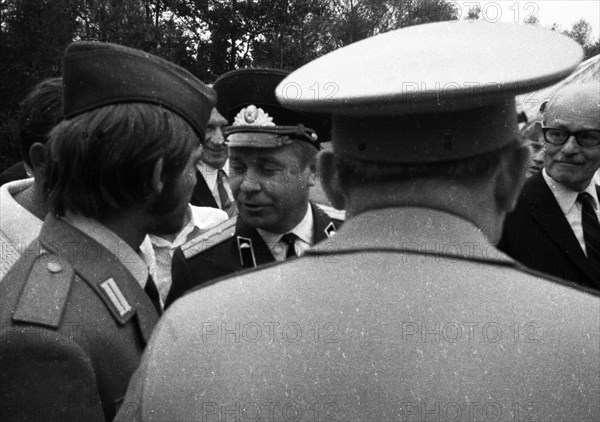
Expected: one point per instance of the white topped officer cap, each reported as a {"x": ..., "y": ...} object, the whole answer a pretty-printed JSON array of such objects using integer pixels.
[{"x": 430, "y": 93}]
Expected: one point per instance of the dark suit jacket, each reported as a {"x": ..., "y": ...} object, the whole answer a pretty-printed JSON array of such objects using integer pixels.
[
  {"x": 224, "y": 258},
  {"x": 67, "y": 349},
  {"x": 538, "y": 234},
  {"x": 202, "y": 196}
]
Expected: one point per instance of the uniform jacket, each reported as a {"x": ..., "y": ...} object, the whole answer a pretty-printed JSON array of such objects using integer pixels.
[
  {"x": 538, "y": 234},
  {"x": 413, "y": 316},
  {"x": 74, "y": 325},
  {"x": 202, "y": 196},
  {"x": 225, "y": 258}
]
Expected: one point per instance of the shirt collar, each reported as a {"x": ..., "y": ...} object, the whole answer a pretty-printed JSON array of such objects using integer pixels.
[
  {"x": 210, "y": 173},
  {"x": 130, "y": 259},
  {"x": 304, "y": 230},
  {"x": 19, "y": 225},
  {"x": 566, "y": 197}
]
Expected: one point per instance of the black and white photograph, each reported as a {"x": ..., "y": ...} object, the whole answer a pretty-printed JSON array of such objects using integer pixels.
[{"x": 299, "y": 210}]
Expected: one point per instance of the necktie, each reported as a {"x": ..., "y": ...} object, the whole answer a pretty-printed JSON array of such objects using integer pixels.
[
  {"x": 226, "y": 204},
  {"x": 290, "y": 240},
  {"x": 591, "y": 229},
  {"x": 152, "y": 293}
]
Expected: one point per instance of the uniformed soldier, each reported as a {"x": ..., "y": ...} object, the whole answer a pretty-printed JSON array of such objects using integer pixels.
[
  {"x": 272, "y": 162},
  {"x": 415, "y": 315},
  {"x": 73, "y": 312}
]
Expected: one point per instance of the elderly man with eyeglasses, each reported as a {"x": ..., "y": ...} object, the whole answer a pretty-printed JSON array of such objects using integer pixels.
[{"x": 554, "y": 228}]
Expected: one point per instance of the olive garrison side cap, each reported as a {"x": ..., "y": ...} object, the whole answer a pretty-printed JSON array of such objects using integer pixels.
[
  {"x": 246, "y": 97},
  {"x": 97, "y": 74},
  {"x": 431, "y": 93}
]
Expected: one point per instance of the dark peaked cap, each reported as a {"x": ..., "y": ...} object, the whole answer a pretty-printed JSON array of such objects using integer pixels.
[
  {"x": 432, "y": 93},
  {"x": 98, "y": 74},
  {"x": 241, "y": 88}
]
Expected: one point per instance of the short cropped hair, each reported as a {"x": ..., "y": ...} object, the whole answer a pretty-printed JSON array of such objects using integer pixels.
[
  {"x": 353, "y": 172},
  {"x": 102, "y": 161},
  {"x": 306, "y": 152},
  {"x": 39, "y": 112}
]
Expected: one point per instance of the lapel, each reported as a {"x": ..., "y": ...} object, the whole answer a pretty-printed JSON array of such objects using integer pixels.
[
  {"x": 323, "y": 226},
  {"x": 97, "y": 266},
  {"x": 261, "y": 251},
  {"x": 202, "y": 196},
  {"x": 546, "y": 211}
]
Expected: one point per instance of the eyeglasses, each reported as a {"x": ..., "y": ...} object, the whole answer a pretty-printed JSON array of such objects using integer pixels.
[{"x": 584, "y": 138}]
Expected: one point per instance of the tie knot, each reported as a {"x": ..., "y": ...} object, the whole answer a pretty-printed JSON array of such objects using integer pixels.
[
  {"x": 289, "y": 239},
  {"x": 586, "y": 199}
]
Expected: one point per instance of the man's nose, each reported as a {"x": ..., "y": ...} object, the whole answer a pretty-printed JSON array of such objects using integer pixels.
[
  {"x": 250, "y": 182},
  {"x": 571, "y": 146},
  {"x": 218, "y": 137},
  {"x": 538, "y": 156}
]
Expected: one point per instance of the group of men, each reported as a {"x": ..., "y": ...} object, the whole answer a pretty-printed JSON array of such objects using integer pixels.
[{"x": 409, "y": 312}]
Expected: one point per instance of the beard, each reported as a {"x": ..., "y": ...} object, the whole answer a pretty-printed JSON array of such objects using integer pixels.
[{"x": 169, "y": 210}]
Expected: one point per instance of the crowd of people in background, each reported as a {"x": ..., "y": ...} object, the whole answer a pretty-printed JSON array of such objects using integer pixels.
[{"x": 158, "y": 227}]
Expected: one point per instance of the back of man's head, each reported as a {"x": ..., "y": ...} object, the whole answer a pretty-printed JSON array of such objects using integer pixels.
[
  {"x": 39, "y": 112},
  {"x": 432, "y": 126}
]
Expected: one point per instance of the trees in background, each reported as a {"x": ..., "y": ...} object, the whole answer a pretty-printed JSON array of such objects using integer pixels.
[{"x": 207, "y": 37}]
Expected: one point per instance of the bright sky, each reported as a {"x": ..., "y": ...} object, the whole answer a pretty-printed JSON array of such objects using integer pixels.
[{"x": 563, "y": 12}]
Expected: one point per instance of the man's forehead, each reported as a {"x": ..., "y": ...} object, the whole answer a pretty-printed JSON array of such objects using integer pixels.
[
  {"x": 279, "y": 154},
  {"x": 582, "y": 99},
  {"x": 572, "y": 113}
]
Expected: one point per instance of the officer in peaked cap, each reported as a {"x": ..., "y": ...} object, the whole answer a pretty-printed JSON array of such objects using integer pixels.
[
  {"x": 272, "y": 154},
  {"x": 415, "y": 315},
  {"x": 78, "y": 308}
]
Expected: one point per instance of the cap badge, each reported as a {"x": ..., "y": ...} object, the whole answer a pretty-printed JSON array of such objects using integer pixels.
[{"x": 253, "y": 116}]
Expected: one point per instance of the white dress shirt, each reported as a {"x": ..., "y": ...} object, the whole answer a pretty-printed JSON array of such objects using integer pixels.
[
  {"x": 18, "y": 227},
  {"x": 304, "y": 231},
  {"x": 571, "y": 208},
  {"x": 158, "y": 252},
  {"x": 210, "y": 175}
]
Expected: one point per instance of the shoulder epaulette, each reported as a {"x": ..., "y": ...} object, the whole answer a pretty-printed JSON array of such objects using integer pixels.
[
  {"x": 333, "y": 213},
  {"x": 46, "y": 292},
  {"x": 209, "y": 238}
]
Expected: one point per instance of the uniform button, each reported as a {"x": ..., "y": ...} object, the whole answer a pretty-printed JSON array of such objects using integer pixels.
[{"x": 54, "y": 267}]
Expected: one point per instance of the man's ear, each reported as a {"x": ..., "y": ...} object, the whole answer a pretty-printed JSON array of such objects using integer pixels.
[
  {"x": 157, "y": 182},
  {"x": 330, "y": 180},
  {"x": 510, "y": 177},
  {"x": 38, "y": 155},
  {"x": 312, "y": 172}
]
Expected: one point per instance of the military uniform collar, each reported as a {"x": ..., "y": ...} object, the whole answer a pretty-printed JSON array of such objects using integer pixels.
[
  {"x": 117, "y": 246},
  {"x": 416, "y": 229},
  {"x": 103, "y": 271}
]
